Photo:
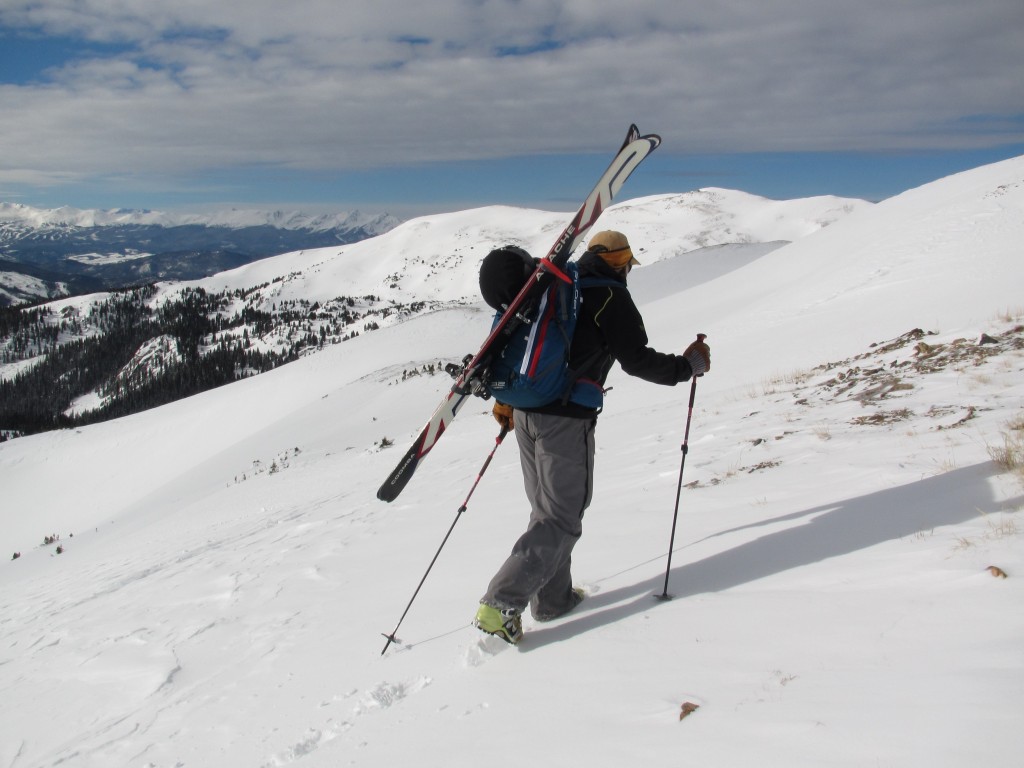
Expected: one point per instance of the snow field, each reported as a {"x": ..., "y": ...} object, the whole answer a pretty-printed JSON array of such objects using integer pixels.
[{"x": 832, "y": 603}]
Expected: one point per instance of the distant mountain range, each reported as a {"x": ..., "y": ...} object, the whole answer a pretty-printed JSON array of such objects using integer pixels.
[
  {"x": 48, "y": 253},
  {"x": 95, "y": 357}
]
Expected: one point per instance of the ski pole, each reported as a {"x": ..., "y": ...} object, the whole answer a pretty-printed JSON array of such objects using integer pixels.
[
  {"x": 391, "y": 638},
  {"x": 685, "y": 448}
]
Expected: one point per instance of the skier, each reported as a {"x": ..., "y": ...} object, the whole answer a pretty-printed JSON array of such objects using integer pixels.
[{"x": 556, "y": 444}]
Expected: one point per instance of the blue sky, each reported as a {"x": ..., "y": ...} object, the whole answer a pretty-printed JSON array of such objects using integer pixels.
[{"x": 392, "y": 106}]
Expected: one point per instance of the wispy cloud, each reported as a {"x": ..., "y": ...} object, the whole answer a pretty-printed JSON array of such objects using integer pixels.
[{"x": 183, "y": 87}]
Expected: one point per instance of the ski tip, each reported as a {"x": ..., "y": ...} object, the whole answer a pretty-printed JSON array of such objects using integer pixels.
[{"x": 634, "y": 135}]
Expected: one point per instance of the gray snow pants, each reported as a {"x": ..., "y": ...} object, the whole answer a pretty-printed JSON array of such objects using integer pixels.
[{"x": 557, "y": 454}]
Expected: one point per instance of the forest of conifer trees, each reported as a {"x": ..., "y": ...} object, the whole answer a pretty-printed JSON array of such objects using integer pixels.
[{"x": 208, "y": 342}]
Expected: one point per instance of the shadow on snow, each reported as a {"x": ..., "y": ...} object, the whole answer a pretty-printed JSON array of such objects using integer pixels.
[{"x": 819, "y": 533}]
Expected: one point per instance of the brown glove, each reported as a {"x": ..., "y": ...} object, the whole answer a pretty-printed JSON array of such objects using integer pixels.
[
  {"x": 698, "y": 355},
  {"x": 503, "y": 415}
]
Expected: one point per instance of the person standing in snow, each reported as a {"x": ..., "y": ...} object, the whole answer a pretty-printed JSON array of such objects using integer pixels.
[{"x": 556, "y": 444}]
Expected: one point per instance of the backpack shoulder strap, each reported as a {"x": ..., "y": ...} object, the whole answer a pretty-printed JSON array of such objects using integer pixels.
[{"x": 601, "y": 282}]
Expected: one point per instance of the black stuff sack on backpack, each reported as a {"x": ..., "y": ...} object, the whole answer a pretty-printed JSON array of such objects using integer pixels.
[{"x": 503, "y": 272}]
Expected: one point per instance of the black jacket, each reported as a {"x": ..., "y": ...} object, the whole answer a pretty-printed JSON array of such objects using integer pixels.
[{"x": 611, "y": 329}]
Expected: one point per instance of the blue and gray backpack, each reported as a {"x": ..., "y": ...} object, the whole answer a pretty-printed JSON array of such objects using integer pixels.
[{"x": 533, "y": 368}]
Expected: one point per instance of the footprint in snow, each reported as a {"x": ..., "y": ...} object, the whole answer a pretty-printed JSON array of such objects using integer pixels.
[
  {"x": 309, "y": 743},
  {"x": 482, "y": 649},
  {"x": 381, "y": 696},
  {"x": 385, "y": 695}
]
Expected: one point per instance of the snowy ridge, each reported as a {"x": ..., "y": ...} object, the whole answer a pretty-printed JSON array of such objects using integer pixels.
[
  {"x": 437, "y": 257},
  {"x": 230, "y": 574},
  {"x": 116, "y": 247},
  {"x": 712, "y": 216},
  {"x": 16, "y": 287},
  {"x": 27, "y": 217}
]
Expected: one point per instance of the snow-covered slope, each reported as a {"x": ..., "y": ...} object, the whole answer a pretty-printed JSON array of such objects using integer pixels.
[
  {"x": 437, "y": 257},
  {"x": 308, "y": 299},
  {"x": 944, "y": 256},
  {"x": 223, "y": 598},
  {"x": 16, "y": 288}
]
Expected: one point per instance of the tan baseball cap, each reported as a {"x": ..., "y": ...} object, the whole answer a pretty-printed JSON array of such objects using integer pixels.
[{"x": 614, "y": 248}]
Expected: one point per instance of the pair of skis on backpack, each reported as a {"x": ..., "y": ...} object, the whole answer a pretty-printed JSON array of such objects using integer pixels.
[{"x": 470, "y": 379}]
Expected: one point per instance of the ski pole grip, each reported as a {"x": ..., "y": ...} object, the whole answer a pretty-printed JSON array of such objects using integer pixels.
[{"x": 700, "y": 339}]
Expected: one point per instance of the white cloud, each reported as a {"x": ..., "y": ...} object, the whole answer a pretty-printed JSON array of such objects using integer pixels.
[{"x": 319, "y": 84}]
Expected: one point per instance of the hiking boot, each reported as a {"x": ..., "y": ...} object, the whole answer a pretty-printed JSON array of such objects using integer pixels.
[
  {"x": 507, "y": 624},
  {"x": 575, "y": 598}
]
